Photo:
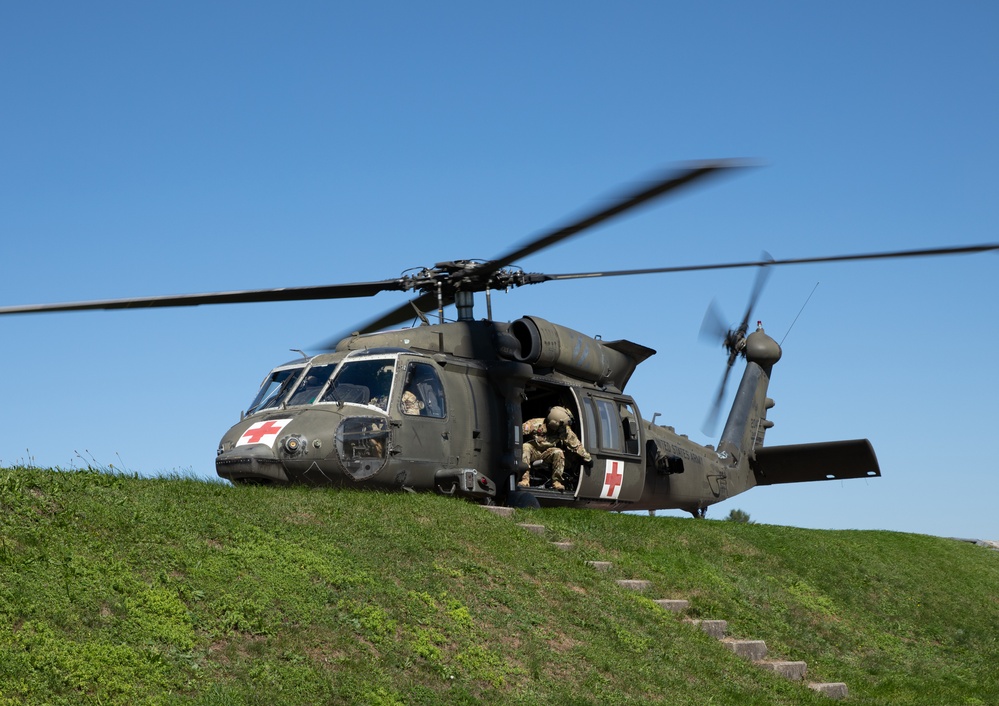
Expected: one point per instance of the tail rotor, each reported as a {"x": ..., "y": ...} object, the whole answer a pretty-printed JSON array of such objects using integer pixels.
[{"x": 713, "y": 329}]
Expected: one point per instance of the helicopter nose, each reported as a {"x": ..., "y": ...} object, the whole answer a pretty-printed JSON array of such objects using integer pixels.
[{"x": 250, "y": 464}]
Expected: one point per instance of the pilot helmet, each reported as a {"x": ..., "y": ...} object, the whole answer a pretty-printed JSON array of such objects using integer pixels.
[{"x": 558, "y": 418}]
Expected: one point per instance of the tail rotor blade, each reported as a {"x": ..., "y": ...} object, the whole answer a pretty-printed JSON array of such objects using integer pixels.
[
  {"x": 711, "y": 421},
  {"x": 713, "y": 327}
]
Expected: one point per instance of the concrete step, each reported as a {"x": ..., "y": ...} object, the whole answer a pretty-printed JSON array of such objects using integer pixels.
[
  {"x": 674, "y": 605},
  {"x": 834, "y": 690},
  {"x": 634, "y": 584},
  {"x": 795, "y": 671},
  {"x": 755, "y": 650},
  {"x": 715, "y": 628}
]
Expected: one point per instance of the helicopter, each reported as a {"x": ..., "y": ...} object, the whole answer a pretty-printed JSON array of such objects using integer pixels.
[{"x": 447, "y": 406}]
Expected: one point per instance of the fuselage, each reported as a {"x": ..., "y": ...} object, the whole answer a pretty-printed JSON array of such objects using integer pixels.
[{"x": 441, "y": 408}]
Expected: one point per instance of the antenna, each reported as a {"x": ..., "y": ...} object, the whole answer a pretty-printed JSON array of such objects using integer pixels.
[{"x": 799, "y": 314}]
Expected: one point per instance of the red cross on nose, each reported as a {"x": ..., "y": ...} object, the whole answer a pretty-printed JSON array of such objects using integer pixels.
[{"x": 254, "y": 434}]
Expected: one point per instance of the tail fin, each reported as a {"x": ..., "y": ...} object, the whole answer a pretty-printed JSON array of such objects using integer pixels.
[{"x": 747, "y": 424}]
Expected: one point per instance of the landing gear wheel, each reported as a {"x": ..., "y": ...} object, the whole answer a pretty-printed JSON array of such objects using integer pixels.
[{"x": 522, "y": 501}]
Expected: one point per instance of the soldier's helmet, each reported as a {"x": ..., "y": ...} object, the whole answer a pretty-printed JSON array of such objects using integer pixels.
[{"x": 558, "y": 419}]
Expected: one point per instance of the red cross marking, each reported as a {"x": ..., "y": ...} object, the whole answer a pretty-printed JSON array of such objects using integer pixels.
[
  {"x": 613, "y": 478},
  {"x": 253, "y": 436}
]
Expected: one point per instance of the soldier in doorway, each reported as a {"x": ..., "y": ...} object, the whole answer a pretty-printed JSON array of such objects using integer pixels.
[{"x": 547, "y": 439}]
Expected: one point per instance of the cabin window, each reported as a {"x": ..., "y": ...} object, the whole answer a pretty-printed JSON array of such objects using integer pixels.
[
  {"x": 367, "y": 382},
  {"x": 590, "y": 421},
  {"x": 312, "y": 384},
  {"x": 610, "y": 425},
  {"x": 423, "y": 394},
  {"x": 274, "y": 388},
  {"x": 629, "y": 427}
]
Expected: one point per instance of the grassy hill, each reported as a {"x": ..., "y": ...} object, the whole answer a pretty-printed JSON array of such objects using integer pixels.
[{"x": 121, "y": 590}]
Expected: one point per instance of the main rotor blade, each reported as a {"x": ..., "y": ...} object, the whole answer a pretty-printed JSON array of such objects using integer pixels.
[
  {"x": 483, "y": 272},
  {"x": 761, "y": 279},
  {"x": 329, "y": 291},
  {"x": 928, "y": 252},
  {"x": 426, "y": 303},
  {"x": 671, "y": 182},
  {"x": 404, "y": 312}
]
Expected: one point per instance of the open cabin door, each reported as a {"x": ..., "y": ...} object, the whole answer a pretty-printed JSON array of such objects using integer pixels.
[{"x": 610, "y": 432}]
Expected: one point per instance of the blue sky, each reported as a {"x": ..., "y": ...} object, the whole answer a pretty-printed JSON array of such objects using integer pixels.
[{"x": 161, "y": 148}]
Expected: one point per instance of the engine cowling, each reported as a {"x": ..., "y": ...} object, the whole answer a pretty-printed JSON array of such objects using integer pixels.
[{"x": 543, "y": 345}]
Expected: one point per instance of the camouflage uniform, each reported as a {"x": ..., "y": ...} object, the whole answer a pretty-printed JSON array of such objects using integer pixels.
[
  {"x": 411, "y": 405},
  {"x": 549, "y": 448}
]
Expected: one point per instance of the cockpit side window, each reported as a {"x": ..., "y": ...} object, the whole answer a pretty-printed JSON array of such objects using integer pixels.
[
  {"x": 312, "y": 383},
  {"x": 274, "y": 388},
  {"x": 423, "y": 394},
  {"x": 367, "y": 382}
]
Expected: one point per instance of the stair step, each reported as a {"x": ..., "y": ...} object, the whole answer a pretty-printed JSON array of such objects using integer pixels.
[
  {"x": 634, "y": 584},
  {"x": 834, "y": 690},
  {"x": 755, "y": 650},
  {"x": 795, "y": 671},
  {"x": 676, "y": 605},
  {"x": 715, "y": 628}
]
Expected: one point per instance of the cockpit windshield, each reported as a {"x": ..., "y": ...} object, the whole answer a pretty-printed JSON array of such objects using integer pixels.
[
  {"x": 275, "y": 387},
  {"x": 312, "y": 384},
  {"x": 366, "y": 382}
]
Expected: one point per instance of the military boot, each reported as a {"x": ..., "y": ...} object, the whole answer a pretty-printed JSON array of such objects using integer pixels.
[{"x": 525, "y": 481}]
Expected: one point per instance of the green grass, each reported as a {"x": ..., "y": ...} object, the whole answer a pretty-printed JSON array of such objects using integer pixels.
[{"x": 122, "y": 590}]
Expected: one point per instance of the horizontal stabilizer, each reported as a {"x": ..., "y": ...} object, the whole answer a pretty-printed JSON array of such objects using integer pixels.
[{"x": 828, "y": 460}]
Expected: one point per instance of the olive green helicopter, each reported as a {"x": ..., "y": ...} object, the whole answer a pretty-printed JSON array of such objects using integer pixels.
[{"x": 460, "y": 407}]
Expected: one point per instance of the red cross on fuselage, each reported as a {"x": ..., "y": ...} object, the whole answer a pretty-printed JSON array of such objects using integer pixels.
[
  {"x": 613, "y": 478},
  {"x": 253, "y": 436}
]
